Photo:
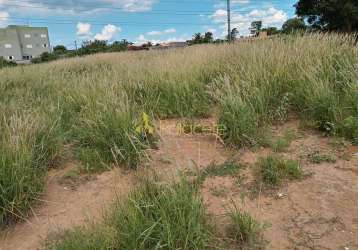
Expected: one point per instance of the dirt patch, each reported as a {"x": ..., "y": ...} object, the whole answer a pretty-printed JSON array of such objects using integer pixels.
[
  {"x": 318, "y": 212},
  {"x": 63, "y": 208}
]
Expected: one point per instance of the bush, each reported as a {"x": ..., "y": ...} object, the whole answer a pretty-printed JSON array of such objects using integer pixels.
[
  {"x": 4, "y": 63},
  {"x": 45, "y": 57}
]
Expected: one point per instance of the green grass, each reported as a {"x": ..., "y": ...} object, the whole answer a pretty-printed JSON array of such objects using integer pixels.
[
  {"x": 245, "y": 231},
  {"x": 317, "y": 158},
  {"x": 154, "y": 216},
  {"x": 282, "y": 143},
  {"x": 226, "y": 169},
  {"x": 273, "y": 170},
  {"x": 95, "y": 103}
]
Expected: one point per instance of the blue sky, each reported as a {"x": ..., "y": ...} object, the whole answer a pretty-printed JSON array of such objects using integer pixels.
[{"x": 140, "y": 20}]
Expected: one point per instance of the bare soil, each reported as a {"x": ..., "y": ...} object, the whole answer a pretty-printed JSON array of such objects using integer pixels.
[{"x": 318, "y": 212}]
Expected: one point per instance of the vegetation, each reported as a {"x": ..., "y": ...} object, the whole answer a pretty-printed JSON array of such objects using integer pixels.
[
  {"x": 225, "y": 169},
  {"x": 317, "y": 157},
  {"x": 294, "y": 25},
  {"x": 282, "y": 143},
  {"x": 4, "y": 63},
  {"x": 96, "y": 103},
  {"x": 330, "y": 15},
  {"x": 153, "y": 217},
  {"x": 244, "y": 230},
  {"x": 273, "y": 170}
]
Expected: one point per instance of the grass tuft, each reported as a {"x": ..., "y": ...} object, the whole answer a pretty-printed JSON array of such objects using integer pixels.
[
  {"x": 273, "y": 170},
  {"x": 245, "y": 231},
  {"x": 317, "y": 158},
  {"x": 154, "y": 216}
]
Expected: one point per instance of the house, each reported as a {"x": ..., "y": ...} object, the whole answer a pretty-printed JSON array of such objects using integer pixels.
[
  {"x": 22, "y": 43},
  {"x": 170, "y": 45}
]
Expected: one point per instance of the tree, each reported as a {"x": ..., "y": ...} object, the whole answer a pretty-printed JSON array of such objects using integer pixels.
[
  {"x": 208, "y": 37},
  {"x": 293, "y": 25},
  {"x": 271, "y": 31},
  {"x": 256, "y": 28},
  {"x": 118, "y": 46},
  {"x": 60, "y": 49},
  {"x": 336, "y": 15},
  {"x": 197, "y": 38},
  {"x": 92, "y": 47},
  {"x": 234, "y": 33}
]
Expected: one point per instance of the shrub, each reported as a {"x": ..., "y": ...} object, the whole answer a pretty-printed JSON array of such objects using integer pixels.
[{"x": 4, "y": 63}]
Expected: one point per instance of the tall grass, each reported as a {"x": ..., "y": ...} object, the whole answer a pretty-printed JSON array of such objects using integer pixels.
[
  {"x": 155, "y": 216},
  {"x": 94, "y": 103}
]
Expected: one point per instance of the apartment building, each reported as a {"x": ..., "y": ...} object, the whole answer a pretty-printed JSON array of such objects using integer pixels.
[{"x": 22, "y": 43}]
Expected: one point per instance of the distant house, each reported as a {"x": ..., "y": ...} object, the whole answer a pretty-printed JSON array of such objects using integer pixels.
[
  {"x": 22, "y": 43},
  {"x": 139, "y": 47},
  {"x": 171, "y": 45}
]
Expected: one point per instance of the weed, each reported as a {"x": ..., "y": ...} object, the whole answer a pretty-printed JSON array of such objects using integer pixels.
[
  {"x": 317, "y": 158},
  {"x": 226, "y": 169},
  {"x": 244, "y": 230},
  {"x": 273, "y": 170},
  {"x": 282, "y": 143}
]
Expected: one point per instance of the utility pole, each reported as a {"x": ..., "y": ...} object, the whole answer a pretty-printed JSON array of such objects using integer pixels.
[
  {"x": 76, "y": 45},
  {"x": 228, "y": 21}
]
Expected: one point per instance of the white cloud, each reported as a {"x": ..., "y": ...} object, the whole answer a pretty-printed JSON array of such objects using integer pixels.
[
  {"x": 163, "y": 32},
  {"x": 4, "y": 17},
  {"x": 108, "y": 33},
  {"x": 84, "y": 30},
  {"x": 269, "y": 16},
  {"x": 141, "y": 39}
]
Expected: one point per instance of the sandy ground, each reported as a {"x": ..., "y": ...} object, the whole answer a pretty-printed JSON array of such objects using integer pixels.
[{"x": 319, "y": 212}]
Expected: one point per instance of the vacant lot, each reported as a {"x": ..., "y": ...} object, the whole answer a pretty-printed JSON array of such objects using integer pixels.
[{"x": 267, "y": 128}]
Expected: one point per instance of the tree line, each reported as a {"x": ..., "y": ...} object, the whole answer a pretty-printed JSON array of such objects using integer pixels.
[{"x": 312, "y": 15}]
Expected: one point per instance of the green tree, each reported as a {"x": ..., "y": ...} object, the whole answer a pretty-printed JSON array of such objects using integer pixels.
[
  {"x": 339, "y": 15},
  {"x": 60, "y": 49},
  {"x": 256, "y": 28},
  {"x": 208, "y": 37},
  {"x": 271, "y": 31},
  {"x": 293, "y": 25},
  {"x": 197, "y": 38},
  {"x": 234, "y": 33}
]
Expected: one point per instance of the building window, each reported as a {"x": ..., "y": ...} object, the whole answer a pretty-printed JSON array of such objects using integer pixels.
[
  {"x": 27, "y": 36},
  {"x": 8, "y": 46},
  {"x": 29, "y": 46},
  {"x": 10, "y": 58},
  {"x": 43, "y": 35},
  {"x": 44, "y": 45}
]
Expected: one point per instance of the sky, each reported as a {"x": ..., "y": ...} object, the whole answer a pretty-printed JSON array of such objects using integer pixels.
[{"x": 141, "y": 21}]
